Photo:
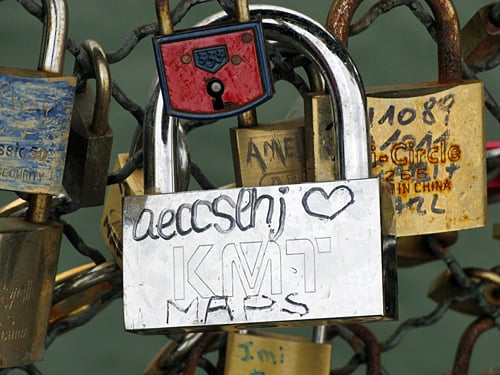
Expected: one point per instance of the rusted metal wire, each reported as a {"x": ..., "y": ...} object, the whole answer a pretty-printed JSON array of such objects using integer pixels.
[
  {"x": 466, "y": 344},
  {"x": 196, "y": 353},
  {"x": 372, "y": 347}
]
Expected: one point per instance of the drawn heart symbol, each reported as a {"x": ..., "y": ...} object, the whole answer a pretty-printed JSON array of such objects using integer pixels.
[{"x": 318, "y": 203}]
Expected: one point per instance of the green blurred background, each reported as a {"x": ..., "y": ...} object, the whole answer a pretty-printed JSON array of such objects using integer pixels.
[{"x": 395, "y": 49}]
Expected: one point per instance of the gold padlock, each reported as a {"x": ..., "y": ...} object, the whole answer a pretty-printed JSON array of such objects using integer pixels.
[
  {"x": 269, "y": 154},
  {"x": 28, "y": 264},
  {"x": 260, "y": 353},
  {"x": 428, "y": 138},
  {"x": 91, "y": 137},
  {"x": 415, "y": 250},
  {"x": 445, "y": 287},
  {"x": 289, "y": 151},
  {"x": 111, "y": 220}
]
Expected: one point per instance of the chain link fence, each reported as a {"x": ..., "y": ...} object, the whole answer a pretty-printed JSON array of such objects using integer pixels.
[{"x": 96, "y": 287}]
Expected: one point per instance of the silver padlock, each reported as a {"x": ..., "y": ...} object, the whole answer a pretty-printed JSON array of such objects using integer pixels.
[{"x": 273, "y": 255}]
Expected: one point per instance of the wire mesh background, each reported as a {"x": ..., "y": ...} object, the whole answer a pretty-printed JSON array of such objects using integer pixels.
[{"x": 395, "y": 49}]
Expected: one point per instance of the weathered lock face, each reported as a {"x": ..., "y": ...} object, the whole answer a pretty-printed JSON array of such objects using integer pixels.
[
  {"x": 35, "y": 112},
  {"x": 431, "y": 150},
  {"x": 267, "y": 255},
  {"x": 213, "y": 72}
]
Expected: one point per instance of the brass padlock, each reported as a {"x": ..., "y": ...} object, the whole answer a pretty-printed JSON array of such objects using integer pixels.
[
  {"x": 111, "y": 219},
  {"x": 428, "y": 138},
  {"x": 445, "y": 287},
  {"x": 28, "y": 262},
  {"x": 29, "y": 247},
  {"x": 91, "y": 138},
  {"x": 262, "y": 353},
  {"x": 35, "y": 112},
  {"x": 269, "y": 154},
  {"x": 230, "y": 258},
  {"x": 415, "y": 250},
  {"x": 275, "y": 153}
]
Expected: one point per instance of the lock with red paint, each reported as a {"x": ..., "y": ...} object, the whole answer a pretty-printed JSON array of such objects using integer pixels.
[{"x": 211, "y": 73}]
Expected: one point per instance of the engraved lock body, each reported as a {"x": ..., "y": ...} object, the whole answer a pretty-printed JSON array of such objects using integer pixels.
[
  {"x": 29, "y": 246},
  {"x": 215, "y": 72},
  {"x": 267, "y": 255},
  {"x": 91, "y": 138},
  {"x": 275, "y": 153},
  {"x": 428, "y": 138}
]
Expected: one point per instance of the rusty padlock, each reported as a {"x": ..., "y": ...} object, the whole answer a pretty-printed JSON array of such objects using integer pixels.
[
  {"x": 215, "y": 72},
  {"x": 428, "y": 138},
  {"x": 257, "y": 255},
  {"x": 29, "y": 246},
  {"x": 91, "y": 138}
]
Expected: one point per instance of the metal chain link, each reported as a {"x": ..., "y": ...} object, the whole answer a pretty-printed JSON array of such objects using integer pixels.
[{"x": 187, "y": 352}]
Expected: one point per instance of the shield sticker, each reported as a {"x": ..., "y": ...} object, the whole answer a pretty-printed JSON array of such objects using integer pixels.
[{"x": 211, "y": 59}]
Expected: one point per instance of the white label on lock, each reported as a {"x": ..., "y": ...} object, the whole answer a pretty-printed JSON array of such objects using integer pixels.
[{"x": 262, "y": 255}]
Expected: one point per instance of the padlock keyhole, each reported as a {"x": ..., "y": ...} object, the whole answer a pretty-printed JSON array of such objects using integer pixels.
[{"x": 215, "y": 88}]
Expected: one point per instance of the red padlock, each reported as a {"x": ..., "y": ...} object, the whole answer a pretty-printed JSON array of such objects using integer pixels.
[{"x": 211, "y": 73}]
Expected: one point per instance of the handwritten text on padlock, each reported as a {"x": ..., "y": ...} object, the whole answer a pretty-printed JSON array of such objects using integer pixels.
[{"x": 244, "y": 255}]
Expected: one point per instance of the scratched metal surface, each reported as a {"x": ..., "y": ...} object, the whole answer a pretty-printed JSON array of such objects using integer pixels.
[
  {"x": 35, "y": 119},
  {"x": 286, "y": 245},
  {"x": 395, "y": 50}
]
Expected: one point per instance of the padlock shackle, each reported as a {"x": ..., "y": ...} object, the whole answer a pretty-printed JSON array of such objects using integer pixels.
[
  {"x": 51, "y": 60},
  {"x": 447, "y": 27},
  {"x": 100, "y": 118},
  {"x": 166, "y": 156},
  {"x": 55, "y": 31},
  {"x": 341, "y": 77},
  {"x": 159, "y": 154},
  {"x": 166, "y": 26}
]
